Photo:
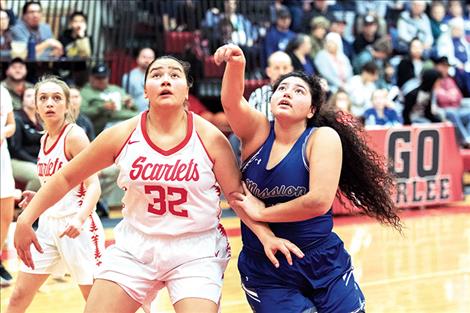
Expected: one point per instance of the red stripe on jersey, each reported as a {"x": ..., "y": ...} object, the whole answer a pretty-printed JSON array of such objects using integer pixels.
[{"x": 55, "y": 143}]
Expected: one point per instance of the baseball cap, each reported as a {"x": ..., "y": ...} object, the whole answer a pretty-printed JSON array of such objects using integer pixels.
[
  {"x": 442, "y": 60},
  {"x": 369, "y": 19},
  {"x": 100, "y": 70},
  {"x": 17, "y": 60}
]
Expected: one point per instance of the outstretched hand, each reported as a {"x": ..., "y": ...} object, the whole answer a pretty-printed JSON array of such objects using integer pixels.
[
  {"x": 248, "y": 203},
  {"x": 228, "y": 53}
]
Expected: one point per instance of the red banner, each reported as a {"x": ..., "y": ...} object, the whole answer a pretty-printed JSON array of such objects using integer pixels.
[{"x": 426, "y": 160}]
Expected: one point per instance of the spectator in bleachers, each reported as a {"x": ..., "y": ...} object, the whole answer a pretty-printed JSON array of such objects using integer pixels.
[
  {"x": 5, "y": 34},
  {"x": 279, "y": 63},
  {"x": 456, "y": 48},
  {"x": 279, "y": 35},
  {"x": 419, "y": 106},
  {"x": 11, "y": 14},
  {"x": 340, "y": 101},
  {"x": 15, "y": 81},
  {"x": 381, "y": 112},
  {"x": 75, "y": 40},
  {"x": 332, "y": 63},
  {"x": 361, "y": 87},
  {"x": 414, "y": 23},
  {"x": 368, "y": 35},
  {"x": 317, "y": 8},
  {"x": 296, "y": 9},
  {"x": 379, "y": 53},
  {"x": 338, "y": 25},
  {"x": 133, "y": 82},
  {"x": 449, "y": 98},
  {"x": 411, "y": 66},
  {"x": 105, "y": 104},
  {"x": 436, "y": 17},
  {"x": 318, "y": 28},
  {"x": 299, "y": 49},
  {"x": 80, "y": 119},
  {"x": 189, "y": 15},
  {"x": 24, "y": 145},
  {"x": 31, "y": 26}
]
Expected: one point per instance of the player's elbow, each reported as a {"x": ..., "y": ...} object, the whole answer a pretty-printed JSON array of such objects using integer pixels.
[{"x": 317, "y": 205}]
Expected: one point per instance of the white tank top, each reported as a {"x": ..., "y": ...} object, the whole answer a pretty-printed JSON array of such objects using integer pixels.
[
  {"x": 168, "y": 192},
  {"x": 49, "y": 162}
]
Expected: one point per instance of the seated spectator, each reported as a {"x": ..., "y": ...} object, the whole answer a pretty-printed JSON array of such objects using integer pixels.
[
  {"x": 379, "y": 53},
  {"x": 449, "y": 98},
  {"x": 382, "y": 112},
  {"x": 317, "y": 8},
  {"x": 279, "y": 63},
  {"x": 436, "y": 17},
  {"x": 279, "y": 35},
  {"x": 368, "y": 35},
  {"x": 338, "y": 25},
  {"x": 15, "y": 81},
  {"x": 332, "y": 63},
  {"x": 24, "y": 145},
  {"x": 360, "y": 88},
  {"x": 30, "y": 26},
  {"x": 11, "y": 14},
  {"x": 5, "y": 34},
  {"x": 74, "y": 39},
  {"x": 456, "y": 48},
  {"x": 80, "y": 119},
  {"x": 419, "y": 107},
  {"x": 318, "y": 29},
  {"x": 133, "y": 82},
  {"x": 340, "y": 101},
  {"x": 105, "y": 104},
  {"x": 414, "y": 23},
  {"x": 298, "y": 50},
  {"x": 411, "y": 66}
]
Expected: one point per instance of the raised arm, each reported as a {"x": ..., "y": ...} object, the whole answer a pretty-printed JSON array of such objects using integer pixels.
[{"x": 247, "y": 123}]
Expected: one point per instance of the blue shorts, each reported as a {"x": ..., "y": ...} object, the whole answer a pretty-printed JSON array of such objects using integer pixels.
[{"x": 322, "y": 281}]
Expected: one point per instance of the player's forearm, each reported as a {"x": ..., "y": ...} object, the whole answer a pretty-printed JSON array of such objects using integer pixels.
[
  {"x": 233, "y": 83},
  {"x": 260, "y": 229}
]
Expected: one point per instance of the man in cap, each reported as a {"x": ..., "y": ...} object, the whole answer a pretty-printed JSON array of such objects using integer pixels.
[
  {"x": 368, "y": 35},
  {"x": 15, "y": 81},
  {"x": 279, "y": 34},
  {"x": 105, "y": 104}
]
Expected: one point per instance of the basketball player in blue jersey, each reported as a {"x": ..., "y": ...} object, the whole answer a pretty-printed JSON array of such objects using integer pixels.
[
  {"x": 292, "y": 168},
  {"x": 173, "y": 165}
]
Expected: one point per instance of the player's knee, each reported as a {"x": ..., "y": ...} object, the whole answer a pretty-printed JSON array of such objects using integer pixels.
[{"x": 20, "y": 298}]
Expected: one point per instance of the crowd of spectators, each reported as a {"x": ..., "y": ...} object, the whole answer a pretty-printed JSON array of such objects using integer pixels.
[{"x": 385, "y": 63}]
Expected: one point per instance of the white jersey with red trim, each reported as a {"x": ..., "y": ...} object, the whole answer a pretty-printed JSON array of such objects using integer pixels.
[
  {"x": 168, "y": 192},
  {"x": 49, "y": 162}
]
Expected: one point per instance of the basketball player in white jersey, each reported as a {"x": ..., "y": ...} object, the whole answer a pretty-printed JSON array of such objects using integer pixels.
[
  {"x": 171, "y": 165},
  {"x": 70, "y": 234}
]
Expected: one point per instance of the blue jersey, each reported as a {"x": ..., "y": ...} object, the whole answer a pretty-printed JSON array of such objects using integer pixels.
[{"x": 288, "y": 180}]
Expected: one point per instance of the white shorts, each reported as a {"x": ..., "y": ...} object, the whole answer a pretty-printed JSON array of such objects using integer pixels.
[
  {"x": 79, "y": 256},
  {"x": 191, "y": 265}
]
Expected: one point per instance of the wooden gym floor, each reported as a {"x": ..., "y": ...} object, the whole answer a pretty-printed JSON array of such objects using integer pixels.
[{"x": 426, "y": 270}]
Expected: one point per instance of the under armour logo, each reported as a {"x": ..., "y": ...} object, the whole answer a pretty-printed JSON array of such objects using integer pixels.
[{"x": 258, "y": 161}]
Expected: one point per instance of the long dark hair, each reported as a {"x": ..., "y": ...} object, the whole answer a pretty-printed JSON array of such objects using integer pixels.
[{"x": 364, "y": 178}]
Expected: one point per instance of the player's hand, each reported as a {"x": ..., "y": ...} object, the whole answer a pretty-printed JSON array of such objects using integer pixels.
[
  {"x": 27, "y": 197},
  {"x": 229, "y": 53},
  {"x": 72, "y": 229},
  {"x": 248, "y": 203},
  {"x": 24, "y": 237},
  {"x": 273, "y": 244}
]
